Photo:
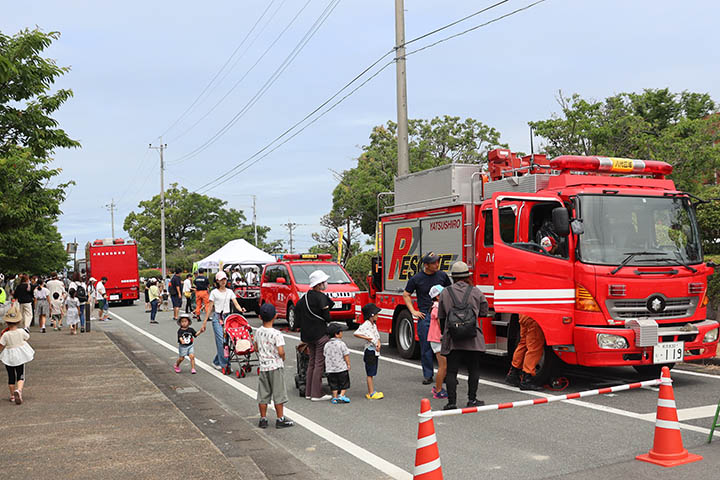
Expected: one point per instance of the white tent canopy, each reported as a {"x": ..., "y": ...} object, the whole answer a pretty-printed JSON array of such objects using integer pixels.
[{"x": 236, "y": 251}]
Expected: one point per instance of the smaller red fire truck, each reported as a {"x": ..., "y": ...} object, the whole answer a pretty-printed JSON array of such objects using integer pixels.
[
  {"x": 604, "y": 253},
  {"x": 284, "y": 282},
  {"x": 116, "y": 259}
]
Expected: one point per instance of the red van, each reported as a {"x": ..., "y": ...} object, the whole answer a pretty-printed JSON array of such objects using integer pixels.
[{"x": 284, "y": 282}]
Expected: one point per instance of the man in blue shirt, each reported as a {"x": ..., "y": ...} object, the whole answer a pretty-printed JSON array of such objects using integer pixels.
[{"x": 420, "y": 284}]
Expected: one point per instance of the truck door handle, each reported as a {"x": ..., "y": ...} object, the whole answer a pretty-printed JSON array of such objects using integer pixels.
[{"x": 506, "y": 277}]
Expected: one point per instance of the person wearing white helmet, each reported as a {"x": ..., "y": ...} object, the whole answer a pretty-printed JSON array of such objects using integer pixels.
[{"x": 313, "y": 311}]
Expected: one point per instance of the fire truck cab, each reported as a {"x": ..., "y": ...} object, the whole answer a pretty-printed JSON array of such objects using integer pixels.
[
  {"x": 604, "y": 253},
  {"x": 284, "y": 282}
]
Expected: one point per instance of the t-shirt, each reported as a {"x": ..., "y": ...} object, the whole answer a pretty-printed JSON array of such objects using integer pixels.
[
  {"x": 421, "y": 283},
  {"x": 313, "y": 314},
  {"x": 153, "y": 292},
  {"x": 56, "y": 306},
  {"x": 221, "y": 300},
  {"x": 187, "y": 285},
  {"x": 250, "y": 277},
  {"x": 201, "y": 283},
  {"x": 175, "y": 285},
  {"x": 267, "y": 341},
  {"x": 369, "y": 329},
  {"x": 100, "y": 290},
  {"x": 335, "y": 351},
  {"x": 23, "y": 293},
  {"x": 76, "y": 286},
  {"x": 236, "y": 277},
  {"x": 42, "y": 293},
  {"x": 55, "y": 286},
  {"x": 14, "y": 338},
  {"x": 72, "y": 305},
  {"x": 186, "y": 336}
]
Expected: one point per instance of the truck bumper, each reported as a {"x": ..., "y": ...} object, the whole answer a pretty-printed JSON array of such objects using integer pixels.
[{"x": 589, "y": 353}]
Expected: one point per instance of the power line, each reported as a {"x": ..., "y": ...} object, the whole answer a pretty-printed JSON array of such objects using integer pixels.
[
  {"x": 187, "y": 110},
  {"x": 225, "y": 177},
  {"x": 268, "y": 83}
]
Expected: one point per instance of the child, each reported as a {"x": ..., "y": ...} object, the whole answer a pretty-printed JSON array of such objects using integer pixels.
[
  {"x": 337, "y": 364},
  {"x": 435, "y": 337},
  {"x": 56, "y": 311},
  {"x": 15, "y": 353},
  {"x": 270, "y": 346},
  {"x": 72, "y": 311},
  {"x": 186, "y": 336},
  {"x": 368, "y": 331},
  {"x": 154, "y": 297}
]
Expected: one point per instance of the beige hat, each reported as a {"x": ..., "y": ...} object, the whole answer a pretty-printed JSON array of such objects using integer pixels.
[
  {"x": 459, "y": 270},
  {"x": 221, "y": 276},
  {"x": 13, "y": 314}
]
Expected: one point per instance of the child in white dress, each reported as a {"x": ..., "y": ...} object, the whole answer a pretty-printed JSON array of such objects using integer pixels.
[
  {"x": 15, "y": 353},
  {"x": 72, "y": 312}
]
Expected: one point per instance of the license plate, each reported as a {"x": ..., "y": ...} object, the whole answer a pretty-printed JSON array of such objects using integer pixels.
[
  {"x": 337, "y": 305},
  {"x": 668, "y": 352},
  {"x": 114, "y": 297}
]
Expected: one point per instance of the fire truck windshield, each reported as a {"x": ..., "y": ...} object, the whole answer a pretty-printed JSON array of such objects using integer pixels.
[
  {"x": 302, "y": 273},
  {"x": 658, "y": 230}
]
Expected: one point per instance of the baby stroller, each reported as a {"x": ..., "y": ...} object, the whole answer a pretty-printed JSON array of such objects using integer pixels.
[
  {"x": 302, "y": 357},
  {"x": 239, "y": 346}
]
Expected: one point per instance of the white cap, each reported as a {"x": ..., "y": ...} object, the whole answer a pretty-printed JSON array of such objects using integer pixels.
[
  {"x": 220, "y": 276},
  {"x": 92, "y": 279},
  {"x": 436, "y": 290},
  {"x": 317, "y": 277}
]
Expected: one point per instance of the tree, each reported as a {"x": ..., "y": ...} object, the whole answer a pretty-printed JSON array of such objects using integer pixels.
[
  {"x": 195, "y": 226},
  {"x": 29, "y": 205},
  {"x": 327, "y": 239},
  {"x": 432, "y": 143}
]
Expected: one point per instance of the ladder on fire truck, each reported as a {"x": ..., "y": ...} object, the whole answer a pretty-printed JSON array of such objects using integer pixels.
[{"x": 715, "y": 423}]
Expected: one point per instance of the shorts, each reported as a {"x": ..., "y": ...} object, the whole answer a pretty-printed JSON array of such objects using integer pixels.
[
  {"x": 338, "y": 380},
  {"x": 371, "y": 362},
  {"x": 436, "y": 346},
  {"x": 176, "y": 301},
  {"x": 56, "y": 317},
  {"x": 185, "y": 350},
  {"x": 42, "y": 308},
  {"x": 271, "y": 385},
  {"x": 102, "y": 304}
]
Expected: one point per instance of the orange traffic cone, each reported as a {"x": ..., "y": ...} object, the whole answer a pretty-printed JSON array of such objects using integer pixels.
[
  {"x": 667, "y": 449},
  {"x": 427, "y": 455}
]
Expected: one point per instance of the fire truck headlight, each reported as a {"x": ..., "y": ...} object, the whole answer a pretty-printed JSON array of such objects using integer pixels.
[
  {"x": 711, "y": 336},
  {"x": 609, "y": 341}
]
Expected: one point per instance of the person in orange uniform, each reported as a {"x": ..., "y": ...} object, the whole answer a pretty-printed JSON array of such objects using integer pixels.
[{"x": 527, "y": 355}]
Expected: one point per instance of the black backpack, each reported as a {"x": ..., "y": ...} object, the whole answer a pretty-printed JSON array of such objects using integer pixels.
[
  {"x": 461, "y": 319},
  {"x": 81, "y": 293}
]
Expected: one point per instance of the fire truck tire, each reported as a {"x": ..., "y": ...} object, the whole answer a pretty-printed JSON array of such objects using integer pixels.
[
  {"x": 547, "y": 367},
  {"x": 651, "y": 371},
  {"x": 291, "y": 319},
  {"x": 405, "y": 341}
]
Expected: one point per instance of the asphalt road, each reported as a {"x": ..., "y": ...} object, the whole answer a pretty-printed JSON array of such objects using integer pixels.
[{"x": 376, "y": 439}]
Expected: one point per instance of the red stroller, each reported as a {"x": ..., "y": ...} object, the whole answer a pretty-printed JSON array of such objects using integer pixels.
[{"x": 239, "y": 346}]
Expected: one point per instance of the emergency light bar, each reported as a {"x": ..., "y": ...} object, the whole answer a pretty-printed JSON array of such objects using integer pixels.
[
  {"x": 307, "y": 256},
  {"x": 610, "y": 165}
]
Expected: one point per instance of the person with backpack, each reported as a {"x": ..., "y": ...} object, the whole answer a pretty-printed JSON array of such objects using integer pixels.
[
  {"x": 459, "y": 307},
  {"x": 81, "y": 293}
]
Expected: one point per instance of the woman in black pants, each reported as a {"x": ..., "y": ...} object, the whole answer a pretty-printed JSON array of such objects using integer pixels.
[{"x": 313, "y": 311}]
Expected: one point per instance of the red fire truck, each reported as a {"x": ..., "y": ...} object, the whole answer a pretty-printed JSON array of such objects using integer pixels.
[
  {"x": 284, "y": 282},
  {"x": 625, "y": 283},
  {"x": 116, "y": 259}
]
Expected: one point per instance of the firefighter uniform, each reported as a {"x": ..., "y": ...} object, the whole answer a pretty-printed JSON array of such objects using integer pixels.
[{"x": 527, "y": 355}]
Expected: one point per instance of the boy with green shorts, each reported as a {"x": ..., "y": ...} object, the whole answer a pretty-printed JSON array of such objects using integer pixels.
[{"x": 270, "y": 346}]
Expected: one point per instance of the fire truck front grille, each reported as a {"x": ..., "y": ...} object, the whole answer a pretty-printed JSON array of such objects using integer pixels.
[{"x": 637, "y": 308}]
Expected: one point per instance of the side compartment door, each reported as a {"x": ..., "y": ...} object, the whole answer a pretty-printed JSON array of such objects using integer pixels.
[
  {"x": 282, "y": 291},
  {"x": 528, "y": 279}
]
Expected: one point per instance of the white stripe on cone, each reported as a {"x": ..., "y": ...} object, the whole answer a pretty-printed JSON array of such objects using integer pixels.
[
  {"x": 425, "y": 441},
  {"x": 667, "y": 424},
  {"x": 663, "y": 402},
  {"x": 428, "y": 467}
]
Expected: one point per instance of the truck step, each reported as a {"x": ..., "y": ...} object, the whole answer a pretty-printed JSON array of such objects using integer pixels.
[
  {"x": 497, "y": 352},
  {"x": 500, "y": 323}
]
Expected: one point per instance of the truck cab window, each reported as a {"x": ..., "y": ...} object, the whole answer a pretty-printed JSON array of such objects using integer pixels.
[
  {"x": 507, "y": 224},
  {"x": 542, "y": 232},
  {"x": 488, "y": 232}
]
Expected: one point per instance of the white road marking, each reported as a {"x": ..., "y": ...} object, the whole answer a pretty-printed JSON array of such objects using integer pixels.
[
  {"x": 579, "y": 403},
  {"x": 706, "y": 411},
  {"x": 357, "y": 451},
  {"x": 696, "y": 374}
]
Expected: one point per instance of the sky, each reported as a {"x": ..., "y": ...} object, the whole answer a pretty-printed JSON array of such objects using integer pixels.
[{"x": 137, "y": 66}]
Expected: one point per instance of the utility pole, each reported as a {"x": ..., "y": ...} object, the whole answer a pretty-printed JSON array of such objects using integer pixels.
[
  {"x": 111, "y": 207},
  {"x": 255, "y": 217},
  {"x": 402, "y": 113},
  {"x": 162, "y": 148},
  {"x": 291, "y": 227}
]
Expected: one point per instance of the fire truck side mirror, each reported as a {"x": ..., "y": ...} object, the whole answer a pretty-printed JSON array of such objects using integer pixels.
[{"x": 561, "y": 221}]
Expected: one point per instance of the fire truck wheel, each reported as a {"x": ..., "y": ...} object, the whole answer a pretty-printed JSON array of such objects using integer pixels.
[
  {"x": 292, "y": 321},
  {"x": 405, "y": 336},
  {"x": 547, "y": 367},
  {"x": 651, "y": 371}
]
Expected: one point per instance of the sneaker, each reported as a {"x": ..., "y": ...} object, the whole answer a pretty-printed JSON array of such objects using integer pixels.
[
  {"x": 177, "y": 369},
  {"x": 217, "y": 367},
  {"x": 154, "y": 322},
  {"x": 42, "y": 330},
  {"x": 375, "y": 396},
  {"x": 344, "y": 399},
  {"x": 427, "y": 380},
  {"x": 324, "y": 398},
  {"x": 335, "y": 400},
  {"x": 263, "y": 423},
  {"x": 283, "y": 423},
  {"x": 475, "y": 403},
  {"x": 82, "y": 329},
  {"x": 193, "y": 371},
  {"x": 18, "y": 397},
  {"x": 442, "y": 393},
  {"x": 450, "y": 406}
]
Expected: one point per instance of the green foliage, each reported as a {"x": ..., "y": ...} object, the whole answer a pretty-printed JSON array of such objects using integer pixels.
[
  {"x": 327, "y": 239},
  {"x": 708, "y": 216},
  {"x": 432, "y": 143},
  {"x": 150, "y": 273},
  {"x": 195, "y": 226},
  {"x": 29, "y": 206},
  {"x": 713, "y": 291},
  {"x": 359, "y": 267}
]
